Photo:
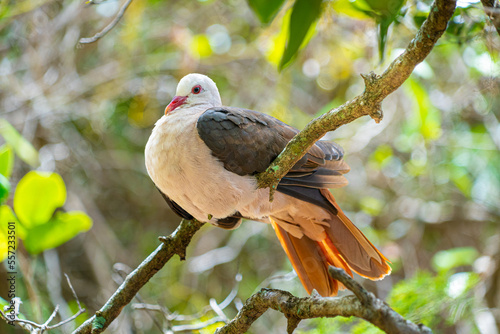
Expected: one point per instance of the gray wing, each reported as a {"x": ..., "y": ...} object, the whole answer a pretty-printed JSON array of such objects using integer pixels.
[
  {"x": 175, "y": 207},
  {"x": 247, "y": 141}
]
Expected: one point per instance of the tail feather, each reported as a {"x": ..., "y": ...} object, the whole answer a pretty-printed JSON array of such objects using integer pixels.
[
  {"x": 361, "y": 255},
  {"x": 341, "y": 245},
  {"x": 309, "y": 262}
]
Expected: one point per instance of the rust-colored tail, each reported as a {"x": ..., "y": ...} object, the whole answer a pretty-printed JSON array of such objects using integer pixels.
[{"x": 342, "y": 245}]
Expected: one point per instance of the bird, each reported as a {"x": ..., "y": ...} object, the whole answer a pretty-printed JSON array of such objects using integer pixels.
[{"x": 203, "y": 157}]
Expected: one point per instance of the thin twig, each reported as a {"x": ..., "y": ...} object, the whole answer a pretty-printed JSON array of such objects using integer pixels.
[
  {"x": 34, "y": 327},
  {"x": 226, "y": 302},
  {"x": 216, "y": 308},
  {"x": 73, "y": 291},
  {"x": 108, "y": 28},
  {"x": 52, "y": 316},
  {"x": 73, "y": 317}
]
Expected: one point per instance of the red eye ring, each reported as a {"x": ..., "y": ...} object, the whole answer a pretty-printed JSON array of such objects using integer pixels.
[{"x": 196, "y": 89}]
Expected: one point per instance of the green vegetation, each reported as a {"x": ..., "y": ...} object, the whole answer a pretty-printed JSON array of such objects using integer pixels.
[{"x": 424, "y": 183}]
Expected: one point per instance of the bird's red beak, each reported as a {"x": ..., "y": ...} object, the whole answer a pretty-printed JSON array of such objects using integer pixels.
[{"x": 176, "y": 102}]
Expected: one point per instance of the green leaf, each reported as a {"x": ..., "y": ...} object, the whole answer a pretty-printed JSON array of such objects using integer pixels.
[
  {"x": 265, "y": 10},
  {"x": 383, "y": 28},
  {"x": 346, "y": 7},
  {"x": 455, "y": 257},
  {"x": 4, "y": 188},
  {"x": 304, "y": 15},
  {"x": 385, "y": 13},
  {"x": 6, "y": 217},
  {"x": 60, "y": 229},
  {"x": 37, "y": 196},
  {"x": 6, "y": 160},
  {"x": 21, "y": 146}
]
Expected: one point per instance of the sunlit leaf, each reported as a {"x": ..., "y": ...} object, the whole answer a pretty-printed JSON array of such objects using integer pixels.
[
  {"x": 74, "y": 308},
  {"x": 455, "y": 257},
  {"x": 265, "y": 10},
  {"x": 304, "y": 15},
  {"x": 275, "y": 52},
  {"x": 6, "y": 160},
  {"x": 347, "y": 8},
  {"x": 4, "y": 188},
  {"x": 61, "y": 228},
  {"x": 6, "y": 217},
  {"x": 3, "y": 240},
  {"x": 21, "y": 146},
  {"x": 200, "y": 46},
  {"x": 37, "y": 196}
]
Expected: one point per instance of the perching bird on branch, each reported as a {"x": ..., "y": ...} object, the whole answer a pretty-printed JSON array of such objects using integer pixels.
[{"x": 203, "y": 157}]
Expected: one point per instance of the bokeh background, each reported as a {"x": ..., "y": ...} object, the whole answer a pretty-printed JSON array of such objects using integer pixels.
[{"x": 424, "y": 183}]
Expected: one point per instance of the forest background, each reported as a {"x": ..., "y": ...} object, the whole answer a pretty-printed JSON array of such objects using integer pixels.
[{"x": 424, "y": 183}]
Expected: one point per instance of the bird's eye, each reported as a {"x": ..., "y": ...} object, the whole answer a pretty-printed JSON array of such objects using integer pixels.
[{"x": 196, "y": 89}]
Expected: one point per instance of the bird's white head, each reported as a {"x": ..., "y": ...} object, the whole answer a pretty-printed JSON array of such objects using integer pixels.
[{"x": 195, "y": 90}]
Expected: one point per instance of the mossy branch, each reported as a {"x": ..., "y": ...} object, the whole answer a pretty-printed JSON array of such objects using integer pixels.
[
  {"x": 369, "y": 103},
  {"x": 363, "y": 305},
  {"x": 176, "y": 243}
]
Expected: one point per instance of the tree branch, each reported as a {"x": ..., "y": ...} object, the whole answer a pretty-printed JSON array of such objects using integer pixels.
[
  {"x": 492, "y": 9},
  {"x": 377, "y": 88},
  {"x": 176, "y": 243},
  {"x": 108, "y": 28},
  {"x": 363, "y": 305}
]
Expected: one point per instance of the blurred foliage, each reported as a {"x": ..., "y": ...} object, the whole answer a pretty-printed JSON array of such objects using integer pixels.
[
  {"x": 38, "y": 195},
  {"x": 424, "y": 184}
]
